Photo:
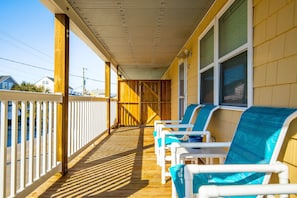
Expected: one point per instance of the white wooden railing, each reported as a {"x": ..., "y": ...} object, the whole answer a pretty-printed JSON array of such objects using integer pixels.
[
  {"x": 87, "y": 120},
  {"x": 29, "y": 157}
]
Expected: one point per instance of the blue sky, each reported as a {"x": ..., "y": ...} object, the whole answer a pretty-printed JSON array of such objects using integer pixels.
[{"x": 27, "y": 47}]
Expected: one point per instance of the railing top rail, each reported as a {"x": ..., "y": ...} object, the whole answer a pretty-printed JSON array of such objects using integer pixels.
[
  {"x": 88, "y": 98},
  {"x": 9, "y": 95}
]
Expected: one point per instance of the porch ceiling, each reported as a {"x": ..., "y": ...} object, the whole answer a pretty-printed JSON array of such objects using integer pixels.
[{"x": 142, "y": 37}]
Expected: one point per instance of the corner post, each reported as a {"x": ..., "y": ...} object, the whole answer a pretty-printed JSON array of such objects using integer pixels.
[
  {"x": 107, "y": 93},
  {"x": 61, "y": 79}
]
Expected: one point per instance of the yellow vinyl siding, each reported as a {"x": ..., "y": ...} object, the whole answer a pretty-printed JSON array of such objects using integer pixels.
[
  {"x": 275, "y": 69},
  {"x": 172, "y": 74}
]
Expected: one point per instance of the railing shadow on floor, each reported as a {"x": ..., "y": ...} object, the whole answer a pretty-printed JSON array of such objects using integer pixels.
[{"x": 112, "y": 169}]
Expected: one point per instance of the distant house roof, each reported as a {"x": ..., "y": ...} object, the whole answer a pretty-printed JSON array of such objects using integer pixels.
[
  {"x": 7, "y": 82},
  {"x": 50, "y": 78},
  {"x": 5, "y": 77}
]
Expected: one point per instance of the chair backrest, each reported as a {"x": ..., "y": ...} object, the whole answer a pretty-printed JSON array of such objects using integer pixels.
[
  {"x": 202, "y": 121},
  {"x": 204, "y": 117},
  {"x": 189, "y": 114},
  {"x": 259, "y": 136}
]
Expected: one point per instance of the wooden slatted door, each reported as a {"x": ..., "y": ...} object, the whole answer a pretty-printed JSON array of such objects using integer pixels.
[
  {"x": 128, "y": 103},
  {"x": 142, "y": 102},
  {"x": 150, "y": 107}
]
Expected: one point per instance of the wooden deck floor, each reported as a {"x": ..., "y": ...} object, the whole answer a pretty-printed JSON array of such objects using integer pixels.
[{"x": 122, "y": 165}]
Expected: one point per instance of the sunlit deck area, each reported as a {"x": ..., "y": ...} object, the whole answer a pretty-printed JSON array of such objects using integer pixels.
[{"x": 120, "y": 165}]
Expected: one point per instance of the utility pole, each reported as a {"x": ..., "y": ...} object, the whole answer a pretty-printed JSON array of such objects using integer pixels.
[{"x": 84, "y": 81}]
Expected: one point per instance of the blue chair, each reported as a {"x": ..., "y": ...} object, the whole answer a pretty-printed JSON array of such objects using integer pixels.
[
  {"x": 198, "y": 130},
  {"x": 251, "y": 157},
  {"x": 182, "y": 125}
]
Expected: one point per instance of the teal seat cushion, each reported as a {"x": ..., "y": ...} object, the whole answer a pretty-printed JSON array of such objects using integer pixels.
[{"x": 170, "y": 139}]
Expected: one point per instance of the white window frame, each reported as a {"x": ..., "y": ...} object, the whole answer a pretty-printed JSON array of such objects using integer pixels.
[
  {"x": 217, "y": 61},
  {"x": 185, "y": 62}
]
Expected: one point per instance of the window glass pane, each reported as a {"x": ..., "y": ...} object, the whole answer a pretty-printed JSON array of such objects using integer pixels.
[
  {"x": 234, "y": 81},
  {"x": 206, "y": 89},
  {"x": 233, "y": 27},
  {"x": 206, "y": 49}
]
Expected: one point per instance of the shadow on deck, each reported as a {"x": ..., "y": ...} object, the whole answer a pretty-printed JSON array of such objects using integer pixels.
[{"x": 122, "y": 165}]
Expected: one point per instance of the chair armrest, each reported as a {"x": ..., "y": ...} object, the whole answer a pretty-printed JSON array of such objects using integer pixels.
[
  {"x": 241, "y": 190},
  {"x": 157, "y": 122},
  {"x": 166, "y": 121},
  {"x": 160, "y": 128},
  {"x": 191, "y": 169},
  {"x": 201, "y": 144},
  {"x": 192, "y": 133},
  {"x": 206, "y": 149},
  {"x": 186, "y": 132},
  {"x": 236, "y": 168},
  {"x": 177, "y": 126}
]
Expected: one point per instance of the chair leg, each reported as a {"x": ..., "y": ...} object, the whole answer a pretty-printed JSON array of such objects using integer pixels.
[{"x": 163, "y": 166}]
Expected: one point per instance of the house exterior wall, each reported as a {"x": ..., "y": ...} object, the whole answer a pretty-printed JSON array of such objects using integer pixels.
[
  {"x": 7, "y": 83},
  {"x": 274, "y": 70},
  {"x": 47, "y": 83}
]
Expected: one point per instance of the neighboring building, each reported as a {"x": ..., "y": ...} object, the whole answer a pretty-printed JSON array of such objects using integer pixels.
[
  {"x": 7, "y": 82},
  {"x": 47, "y": 83}
]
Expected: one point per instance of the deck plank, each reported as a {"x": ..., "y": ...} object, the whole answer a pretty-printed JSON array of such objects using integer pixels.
[{"x": 122, "y": 165}]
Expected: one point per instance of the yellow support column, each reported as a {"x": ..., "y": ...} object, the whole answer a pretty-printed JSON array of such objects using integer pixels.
[
  {"x": 61, "y": 77},
  {"x": 107, "y": 93}
]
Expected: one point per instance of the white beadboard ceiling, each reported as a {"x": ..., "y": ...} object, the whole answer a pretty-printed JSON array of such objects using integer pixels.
[{"x": 141, "y": 37}]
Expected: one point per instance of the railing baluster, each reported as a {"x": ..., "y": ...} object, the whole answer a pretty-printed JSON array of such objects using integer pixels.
[
  {"x": 70, "y": 127},
  {"x": 14, "y": 143},
  {"x": 50, "y": 130},
  {"x": 44, "y": 134},
  {"x": 76, "y": 128},
  {"x": 38, "y": 137},
  {"x": 31, "y": 141},
  {"x": 80, "y": 125},
  {"x": 23, "y": 145},
  {"x": 55, "y": 135},
  {"x": 3, "y": 145}
]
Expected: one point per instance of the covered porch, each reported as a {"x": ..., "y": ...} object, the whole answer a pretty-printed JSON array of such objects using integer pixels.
[{"x": 178, "y": 41}]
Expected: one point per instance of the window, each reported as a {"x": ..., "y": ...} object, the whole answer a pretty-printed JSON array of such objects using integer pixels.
[
  {"x": 207, "y": 87},
  {"x": 206, "y": 43},
  {"x": 233, "y": 27},
  {"x": 223, "y": 57},
  {"x": 234, "y": 81},
  {"x": 5, "y": 85},
  {"x": 206, "y": 67}
]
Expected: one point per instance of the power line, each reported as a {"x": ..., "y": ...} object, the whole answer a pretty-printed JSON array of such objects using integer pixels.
[
  {"x": 26, "y": 64},
  {"x": 18, "y": 41},
  {"x": 42, "y": 68}
]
